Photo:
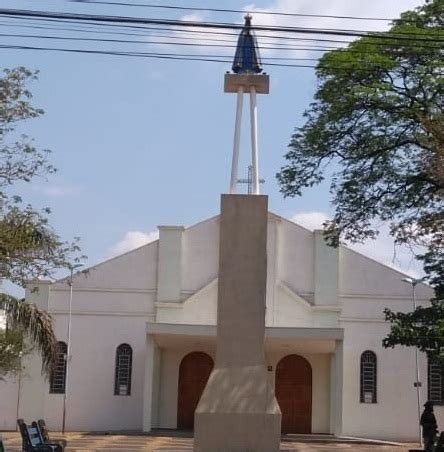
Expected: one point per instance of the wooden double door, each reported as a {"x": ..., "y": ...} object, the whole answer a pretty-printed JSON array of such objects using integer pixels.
[
  {"x": 293, "y": 390},
  {"x": 294, "y": 393},
  {"x": 194, "y": 371}
]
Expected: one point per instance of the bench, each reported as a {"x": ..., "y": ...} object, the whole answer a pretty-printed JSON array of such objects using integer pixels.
[
  {"x": 32, "y": 440},
  {"x": 45, "y": 434}
]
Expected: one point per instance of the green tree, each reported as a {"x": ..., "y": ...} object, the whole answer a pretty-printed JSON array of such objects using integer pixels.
[
  {"x": 422, "y": 328},
  {"x": 27, "y": 328},
  {"x": 29, "y": 247},
  {"x": 377, "y": 124}
]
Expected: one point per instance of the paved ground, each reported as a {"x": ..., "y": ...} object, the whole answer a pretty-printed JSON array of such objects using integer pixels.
[{"x": 80, "y": 442}]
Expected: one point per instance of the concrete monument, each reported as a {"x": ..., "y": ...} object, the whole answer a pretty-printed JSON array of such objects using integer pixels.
[{"x": 238, "y": 411}]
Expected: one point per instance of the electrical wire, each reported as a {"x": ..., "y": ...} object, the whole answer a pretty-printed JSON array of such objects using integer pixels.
[
  {"x": 346, "y": 66},
  {"x": 172, "y": 43},
  {"x": 411, "y": 42},
  {"x": 138, "y": 54},
  {"x": 205, "y": 33},
  {"x": 228, "y": 58},
  {"x": 230, "y": 44},
  {"x": 147, "y": 21},
  {"x": 235, "y": 11},
  {"x": 95, "y": 24}
]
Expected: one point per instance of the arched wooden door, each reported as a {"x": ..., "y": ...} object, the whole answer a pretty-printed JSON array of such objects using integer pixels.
[
  {"x": 293, "y": 393},
  {"x": 194, "y": 372}
]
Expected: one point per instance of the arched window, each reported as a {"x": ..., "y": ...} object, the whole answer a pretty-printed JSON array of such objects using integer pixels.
[
  {"x": 124, "y": 362},
  {"x": 57, "y": 379},
  {"x": 435, "y": 383},
  {"x": 368, "y": 377}
]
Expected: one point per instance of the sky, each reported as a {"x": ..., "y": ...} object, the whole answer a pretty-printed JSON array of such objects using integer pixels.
[{"x": 142, "y": 142}]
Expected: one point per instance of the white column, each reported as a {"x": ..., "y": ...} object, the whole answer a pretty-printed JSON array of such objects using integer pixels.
[
  {"x": 336, "y": 389},
  {"x": 236, "y": 143},
  {"x": 151, "y": 385},
  {"x": 254, "y": 148}
]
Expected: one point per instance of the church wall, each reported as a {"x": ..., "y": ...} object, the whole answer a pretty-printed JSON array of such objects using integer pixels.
[
  {"x": 8, "y": 402},
  {"x": 394, "y": 416},
  {"x": 112, "y": 304},
  {"x": 94, "y": 340},
  {"x": 373, "y": 306},
  {"x": 200, "y": 254},
  {"x": 134, "y": 270},
  {"x": 296, "y": 257},
  {"x": 290, "y": 312},
  {"x": 198, "y": 309},
  {"x": 360, "y": 275},
  {"x": 109, "y": 301}
]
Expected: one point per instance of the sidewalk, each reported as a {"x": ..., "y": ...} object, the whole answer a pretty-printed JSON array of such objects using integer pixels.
[{"x": 81, "y": 442}]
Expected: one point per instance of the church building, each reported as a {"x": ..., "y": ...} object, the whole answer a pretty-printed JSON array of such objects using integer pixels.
[{"x": 143, "y": 333}]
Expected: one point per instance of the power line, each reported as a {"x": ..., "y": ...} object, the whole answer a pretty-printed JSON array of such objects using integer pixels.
[
  {"x": 135, "y": 20},
  {"x": 410, "y": 41},
  {"x": 231, "y": 44},
  {"x": 140, "y": 55},
  {"x": 148, "y": 42},
  {"x": 152, "y": 35},
  {"x": 228, "y": 58},
  {"x": 188, "y": 57},
  {"x": 236, "y": 11},
  {"x": 92, "y": 29}
]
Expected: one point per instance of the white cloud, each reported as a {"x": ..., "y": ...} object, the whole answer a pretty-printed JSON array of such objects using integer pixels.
[
  {"x": 132, "y": 240},
  {"x": 201, "y": 40},
  {"x": 381, "y": 249},
  {"x": 204, "y": 37},
  {"x": 375, "y": 8},
  {"x": 310, "y": 220},
  {"x": 58, "y": 190}
]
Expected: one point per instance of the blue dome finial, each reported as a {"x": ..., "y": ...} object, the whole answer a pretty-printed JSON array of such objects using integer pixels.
[{"x": 247, "y": 59}]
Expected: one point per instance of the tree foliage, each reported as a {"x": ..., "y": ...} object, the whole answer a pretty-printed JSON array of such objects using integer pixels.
[
  {"x": 29, "y": 247},
  {"x": 377, "y": 122},
  {"x": 12, "y": 348},
  {"x": 27, "y": 327},
  {"x": 422, "y": 328}
]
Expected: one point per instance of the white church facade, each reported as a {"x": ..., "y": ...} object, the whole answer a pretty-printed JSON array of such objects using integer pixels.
[
  {"x": 143, "y": 328},
  {"x": 143, "y": 339}
]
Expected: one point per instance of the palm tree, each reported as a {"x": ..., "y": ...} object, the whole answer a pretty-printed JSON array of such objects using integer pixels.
[{"x": 34, "y": 325}]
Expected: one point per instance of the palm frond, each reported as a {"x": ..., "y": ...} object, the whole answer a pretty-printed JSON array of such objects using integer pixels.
[{"x": 36, "y": 325}]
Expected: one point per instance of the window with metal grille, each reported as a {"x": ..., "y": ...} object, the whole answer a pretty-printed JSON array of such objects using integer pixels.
[
  {"x": 57, "y": 378},
  {"x": 368, "y": 377},
  {"x": 122, "y": 381},
  {"x": 435, "y": 383}
]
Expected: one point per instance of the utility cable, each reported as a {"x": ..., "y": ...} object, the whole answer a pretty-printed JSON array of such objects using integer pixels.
[
  {"x": 346, "y": 66},
  {"x": 194, "y": 24},
  {"x": 233, "y": 45},
  {"x": 234, "y": 11}
]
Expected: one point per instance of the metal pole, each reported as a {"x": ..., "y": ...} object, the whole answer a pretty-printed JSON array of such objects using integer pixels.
[
  {"x": 68, "y": 352},
  {"x": 418, "y": 387},
  {"x": 236, "y": 143},
  {"x": 19, "y": 390},
  {"x": 254, "y": 147}
]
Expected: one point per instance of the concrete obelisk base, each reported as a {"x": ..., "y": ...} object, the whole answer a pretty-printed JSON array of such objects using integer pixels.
[{"x": 238, "y": 411}]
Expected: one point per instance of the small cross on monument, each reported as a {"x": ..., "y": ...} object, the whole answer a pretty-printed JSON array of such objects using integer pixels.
[{"x": 250, "y": 180}]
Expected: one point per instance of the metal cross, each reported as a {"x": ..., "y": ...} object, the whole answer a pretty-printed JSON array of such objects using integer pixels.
[{"x": 249, "y": 180}]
